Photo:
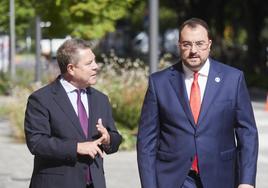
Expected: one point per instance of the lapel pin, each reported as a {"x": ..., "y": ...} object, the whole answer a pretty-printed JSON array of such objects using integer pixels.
[{"x": 217, "y": 79}]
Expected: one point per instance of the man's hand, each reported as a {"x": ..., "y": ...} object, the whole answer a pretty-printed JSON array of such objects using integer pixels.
[
  {"x": 245, "y": 186},
  {"x": 90, "y": 148},
  {"x": 104, "y": 133}
]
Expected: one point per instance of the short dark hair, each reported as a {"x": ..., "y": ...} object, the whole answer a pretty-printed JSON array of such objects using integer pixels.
[
  {"x": 194, "y": 22},
  {"x": 68, "y": 52}
]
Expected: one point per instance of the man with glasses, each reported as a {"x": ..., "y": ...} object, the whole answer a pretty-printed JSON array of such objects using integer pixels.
[{"x": 197, "y": 128}]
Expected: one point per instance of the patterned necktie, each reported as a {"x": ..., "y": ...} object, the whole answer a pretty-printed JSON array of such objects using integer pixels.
[
  {"x": 82, "y": 114},
  {"x": 195, "y": 103}
]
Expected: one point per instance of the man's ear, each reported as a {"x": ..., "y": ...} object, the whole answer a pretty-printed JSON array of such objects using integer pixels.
[
  {"x": 210, "y": 43},
  {"x": 70, "y": 69}
]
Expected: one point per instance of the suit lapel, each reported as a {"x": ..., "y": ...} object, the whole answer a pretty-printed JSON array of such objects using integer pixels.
[
  {"x": 61, "y": 98},
  {"x": 92, "y": 104},
  {"x": 212, "y": 87},
  {"x": 178, "y": 84}
]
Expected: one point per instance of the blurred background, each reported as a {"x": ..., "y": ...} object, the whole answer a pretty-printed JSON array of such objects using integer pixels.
[{"x": 118, "y": 30}]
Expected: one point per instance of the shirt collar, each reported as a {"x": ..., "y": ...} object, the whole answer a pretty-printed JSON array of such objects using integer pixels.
[
  {"x": 203, "y": 71},
  {"x": 68, "y": 87}
]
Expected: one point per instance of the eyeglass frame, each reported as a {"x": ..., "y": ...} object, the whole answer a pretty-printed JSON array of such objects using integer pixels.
[{"x": 197, "y": 46}]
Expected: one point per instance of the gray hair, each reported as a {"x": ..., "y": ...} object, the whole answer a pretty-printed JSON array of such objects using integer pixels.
[{"x": 68, "y": 52}]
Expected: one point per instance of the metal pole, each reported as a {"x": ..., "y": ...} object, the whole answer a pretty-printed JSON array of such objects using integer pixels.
[
  {"x": 37, "y": 49},
  {"x": 153, "y": 34},
  {"x": 12, "y": 40}
]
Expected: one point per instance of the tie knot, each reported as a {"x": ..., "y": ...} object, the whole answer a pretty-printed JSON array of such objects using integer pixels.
[
  {"x": 196, "y": 74},
  {"x": 79, "y": 91}
]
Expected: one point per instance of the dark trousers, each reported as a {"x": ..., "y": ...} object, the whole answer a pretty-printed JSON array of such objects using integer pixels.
[
  {"x": 192, "y": 181},
  {"x": 90, "y": 186}
]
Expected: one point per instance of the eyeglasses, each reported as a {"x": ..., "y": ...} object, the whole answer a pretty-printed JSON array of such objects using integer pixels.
[{"x": 199, "y": 45}]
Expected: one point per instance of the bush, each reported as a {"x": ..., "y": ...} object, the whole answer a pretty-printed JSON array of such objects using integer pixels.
[
  {"x": 16, "y": 108},
  {"x": 257, "y": 80},
  {"x": 5, "y": 84},
  {"x": 125, "y": 83}
]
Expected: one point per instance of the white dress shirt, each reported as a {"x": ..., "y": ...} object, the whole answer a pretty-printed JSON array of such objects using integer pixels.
[
  {"x": 202, "y": 78},
  {"x": 72, "y": 94}
]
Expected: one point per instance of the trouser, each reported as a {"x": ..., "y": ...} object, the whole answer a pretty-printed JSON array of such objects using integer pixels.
[
  {"x": 90, "y": 186},
  {"x": 192, "y": 180}
]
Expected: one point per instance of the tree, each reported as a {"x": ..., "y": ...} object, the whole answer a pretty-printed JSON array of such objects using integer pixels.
[
  {"x": 95, "y": 18},
  {"x": 237, "y": 27},
  {"x": 24, "y": 14},
  {"x": 89, "y": 19}
]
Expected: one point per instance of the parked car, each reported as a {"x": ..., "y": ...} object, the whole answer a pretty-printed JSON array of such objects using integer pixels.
[
  {"x": 171, "y": 38},
  {"x": 138, "y": 46}
]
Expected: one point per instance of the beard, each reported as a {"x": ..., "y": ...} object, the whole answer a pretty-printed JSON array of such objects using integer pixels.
[{"x": 194, "y": 62}]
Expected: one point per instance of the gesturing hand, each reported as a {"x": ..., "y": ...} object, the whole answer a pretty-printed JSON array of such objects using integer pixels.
[
  {"x": 90, "y": 148},
  {"x": 104, "y": 133}
]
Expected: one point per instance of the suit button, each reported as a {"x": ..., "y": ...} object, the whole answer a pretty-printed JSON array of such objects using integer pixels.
[
  {"x": 68, "y": 158},
  {"x": 191, "y": 159},
  {"x": 85, "y": 167}
]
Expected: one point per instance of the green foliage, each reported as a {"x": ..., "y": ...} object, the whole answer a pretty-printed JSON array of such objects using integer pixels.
[
  {"x": 16, "y": 108},
  {"x": 89, "y": 19},
  {"x": 256, "y": 80},
  {"x": 5, "y": 84},
  {"x": 93, "y": 19},
  {"x": 23, "y": 77},
  {"x": 24, "y": 13},
  {"x": 16, "y": 111},
  {"x": 242, "y": 37},
  {"x": 4, "y": 16},
  {"x": 125, "y": 83},
  {"x": 137, "y": 14},
  {"x": 129, "y": 137},
  {"x": 168, "y": 18}
]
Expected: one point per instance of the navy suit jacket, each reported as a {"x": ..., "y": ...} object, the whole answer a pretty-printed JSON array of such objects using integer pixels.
[
  {"x": 225, "y": 137},
  {"x": 53, "y": 130}
]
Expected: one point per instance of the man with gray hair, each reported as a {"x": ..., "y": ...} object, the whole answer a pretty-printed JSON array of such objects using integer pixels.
[{"x": 69, "y": 124}]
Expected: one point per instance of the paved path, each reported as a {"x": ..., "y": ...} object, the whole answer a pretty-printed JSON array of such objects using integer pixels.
[
  {"x": 120, "y": 169},
  {"x": 261, "y": 117}
]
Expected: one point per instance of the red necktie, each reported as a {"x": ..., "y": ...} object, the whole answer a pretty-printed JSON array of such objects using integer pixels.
[{"x": 195, "y": 103}]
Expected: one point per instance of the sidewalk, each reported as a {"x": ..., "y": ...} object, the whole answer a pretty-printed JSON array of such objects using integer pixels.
[
  {"x": 15, "y": 160},
  {"x": 120, "y": 168}
]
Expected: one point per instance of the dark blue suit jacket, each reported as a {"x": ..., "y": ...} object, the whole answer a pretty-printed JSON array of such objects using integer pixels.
[
  {"x": 225, "y": 137},
  {"x": 52, "y": 131}
]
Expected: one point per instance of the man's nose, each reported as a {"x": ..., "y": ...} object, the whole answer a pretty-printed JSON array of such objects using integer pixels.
[
  {"x": 193, "y": 48},
  {"x": 96, "y": 66}
]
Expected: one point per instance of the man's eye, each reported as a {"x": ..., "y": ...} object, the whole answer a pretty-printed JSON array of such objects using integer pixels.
[
  {"x": 199, "y": 43},
  {"x": 187, "y": 45}
]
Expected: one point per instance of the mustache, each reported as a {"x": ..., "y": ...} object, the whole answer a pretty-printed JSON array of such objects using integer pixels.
[{"x": 193, "y": 56}]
